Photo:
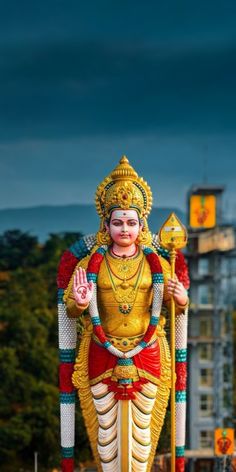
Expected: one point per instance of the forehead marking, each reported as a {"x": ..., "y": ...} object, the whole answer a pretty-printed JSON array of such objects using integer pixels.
[{"x": 128, "y": 214}]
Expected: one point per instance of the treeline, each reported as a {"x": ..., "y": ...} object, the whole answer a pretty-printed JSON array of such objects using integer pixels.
[
  {"x": 29, "y": 399},
  {"x": 29, "y": 402}
]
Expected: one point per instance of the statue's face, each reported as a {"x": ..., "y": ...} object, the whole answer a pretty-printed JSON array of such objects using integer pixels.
[{"x": 124, "y": 227}]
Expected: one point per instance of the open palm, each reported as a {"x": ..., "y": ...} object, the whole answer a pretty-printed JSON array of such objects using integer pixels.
[{"x": 82, "y": 289}]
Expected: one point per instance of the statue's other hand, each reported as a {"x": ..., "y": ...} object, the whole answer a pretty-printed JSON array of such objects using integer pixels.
[
  {"x": 82, "y": 289},
  {"x": 177, "y": 290}
]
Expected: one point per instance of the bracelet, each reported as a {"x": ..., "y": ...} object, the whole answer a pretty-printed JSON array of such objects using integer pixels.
[
  {"x": 182, "y": 307},
  {"x": 81, "y": 306}
]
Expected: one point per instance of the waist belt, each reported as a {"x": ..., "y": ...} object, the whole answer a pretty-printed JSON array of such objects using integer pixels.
[{"x": 125, "y": 343}]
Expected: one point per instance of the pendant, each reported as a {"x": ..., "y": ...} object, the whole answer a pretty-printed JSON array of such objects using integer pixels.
[
  {"x": 124, "y": 285},
  {"x": 125, "y": 308}
]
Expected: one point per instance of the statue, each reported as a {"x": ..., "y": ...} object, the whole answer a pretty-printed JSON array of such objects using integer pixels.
[{"x": 118, "y": 281}]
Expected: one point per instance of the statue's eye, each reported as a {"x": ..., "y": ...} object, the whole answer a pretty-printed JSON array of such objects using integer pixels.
[{"x": 117, "y": 223}]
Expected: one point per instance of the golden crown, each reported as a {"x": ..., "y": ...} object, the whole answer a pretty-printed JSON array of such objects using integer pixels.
[{"x": 124, "y": 189}]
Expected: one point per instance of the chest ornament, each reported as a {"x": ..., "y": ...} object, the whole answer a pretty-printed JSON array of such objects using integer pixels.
[
  {"x": 124, "y": 270},
  {"x": 157, "y": 280}
]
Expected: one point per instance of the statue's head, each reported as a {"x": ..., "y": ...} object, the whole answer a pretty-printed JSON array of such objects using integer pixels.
[
  {"x": 123, "y": 191},
  {"x": 124, "y": 227}
]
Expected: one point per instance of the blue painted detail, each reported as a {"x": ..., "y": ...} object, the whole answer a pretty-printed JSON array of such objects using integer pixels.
[
  {"x": 181, "y": 355},
  {"x": 67, "y": 355},
  {"x": 79, "y": 249},
  {"x": 92, "y": 276},
  {"x": 125, "y": 381},
  {"x": 147, "y": 250},
  {"x": 157, "y": 278},
  {"x": 180, "y": 396},
  {"x": 67, "y": 397},
  {"x": 124, "y": 361},
  {"x": 67, "y": 452},
  {"x": 143, "y": 344},
  {"x": 95, "y": 320},
  {"x": 154, "y": 320},
  {"x": 101, "y": 250},
  {"x": 163, "y": 252},
  {"x": 179, "y": 451},
  {"x": 60, "y": 294},
  {"x": 107, "y": 344}
]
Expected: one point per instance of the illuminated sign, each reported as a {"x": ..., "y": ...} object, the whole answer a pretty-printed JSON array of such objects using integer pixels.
[
  {"x": 202, "y": 211},
  {"x": 224, "y": 441}
]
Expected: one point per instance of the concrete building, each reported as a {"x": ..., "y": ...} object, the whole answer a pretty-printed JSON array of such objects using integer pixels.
[{"x": 211, "y": 257}]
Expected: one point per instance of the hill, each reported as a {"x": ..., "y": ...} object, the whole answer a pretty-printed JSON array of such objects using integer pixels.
[{"x": 44, "y": 220}]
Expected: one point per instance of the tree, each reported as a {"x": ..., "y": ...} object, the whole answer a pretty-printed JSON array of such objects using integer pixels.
[{"x": 29, "y": 406}]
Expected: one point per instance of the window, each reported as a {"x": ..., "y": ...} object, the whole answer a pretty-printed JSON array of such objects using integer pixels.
[
  {"x": 206, "y": 439},
  {"x": 206, "y": 377},
  {"x": 226, "y": 350},
  {"x": 205, "y": 294},
  {"x": 206, "y": 405},
  {"x": 205, "y": 327},
  {"x": 226, "y": 324},
  {"x": 203, "y": 266},
  {"x": 227, "y": 373},
  {"x": 227, "y": 398},
  {"x": 206, "y": 352},
  {"x": 205, "y": 465}
]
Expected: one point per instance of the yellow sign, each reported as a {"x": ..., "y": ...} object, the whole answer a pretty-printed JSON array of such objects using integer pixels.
[
  {"x": 224, "y": 441},
  {"x": 202, "y": 211}
]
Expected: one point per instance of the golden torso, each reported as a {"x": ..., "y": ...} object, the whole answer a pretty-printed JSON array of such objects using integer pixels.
[{"x": 125, "y": 295}]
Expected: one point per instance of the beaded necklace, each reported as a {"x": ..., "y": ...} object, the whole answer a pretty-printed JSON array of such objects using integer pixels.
[{"x": 158, "y": 287}]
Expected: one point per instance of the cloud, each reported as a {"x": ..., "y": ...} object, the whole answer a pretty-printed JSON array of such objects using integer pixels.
[{"x": 71, "y": 89}]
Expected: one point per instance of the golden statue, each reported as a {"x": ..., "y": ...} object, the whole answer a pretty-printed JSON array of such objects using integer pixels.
[{"x": 122, "y": 286}]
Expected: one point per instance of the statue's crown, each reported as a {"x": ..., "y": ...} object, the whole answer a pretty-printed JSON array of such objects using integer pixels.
[{"x": 124, "y": 189}]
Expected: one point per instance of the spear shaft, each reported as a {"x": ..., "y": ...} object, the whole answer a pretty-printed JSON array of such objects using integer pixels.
[{"x": 173, "y": 375}]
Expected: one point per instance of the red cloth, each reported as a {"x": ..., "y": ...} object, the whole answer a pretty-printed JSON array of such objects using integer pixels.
[
  {"x": 65, "y": 270},
  {"x": 181, "y": 373},
  {"x": 65, "y": 377},
  {"x": 181, "y": 270},
  {"x": 101, "y": 360},
  {"x": 179, "y": 464},
  {"x": 67, "y": 465}
]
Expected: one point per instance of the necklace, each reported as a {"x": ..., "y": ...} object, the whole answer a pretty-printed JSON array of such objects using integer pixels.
[
  {"x": 125, "y": 294},
  {"x": 157, "y": 279},
  {"x": 126, "y": 269},
  {"x": 124, "y": 256}
]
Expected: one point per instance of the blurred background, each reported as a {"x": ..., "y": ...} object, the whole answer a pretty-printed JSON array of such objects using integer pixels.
[{"x": 83, "y": 83}]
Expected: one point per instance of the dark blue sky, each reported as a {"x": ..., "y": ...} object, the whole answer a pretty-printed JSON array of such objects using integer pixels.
[{"x": 82, "y": 83}]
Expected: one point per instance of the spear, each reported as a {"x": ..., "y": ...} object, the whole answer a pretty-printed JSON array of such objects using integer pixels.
[{"x": 173, "y": 236}]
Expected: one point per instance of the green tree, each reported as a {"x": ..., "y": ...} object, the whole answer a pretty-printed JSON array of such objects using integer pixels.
[
  {"x": 29, "y": 405},
  {"x": 18, "y": 249}
]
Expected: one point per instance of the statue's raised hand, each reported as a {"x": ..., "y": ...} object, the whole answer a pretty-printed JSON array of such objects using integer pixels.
[{"x": 82, "y": 289}]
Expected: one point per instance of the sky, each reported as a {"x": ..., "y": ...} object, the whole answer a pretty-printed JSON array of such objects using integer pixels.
[{"x": 82, "y": 83}]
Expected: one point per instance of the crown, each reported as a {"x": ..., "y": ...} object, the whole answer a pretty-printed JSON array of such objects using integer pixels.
[{"x": 124, "y": 189}]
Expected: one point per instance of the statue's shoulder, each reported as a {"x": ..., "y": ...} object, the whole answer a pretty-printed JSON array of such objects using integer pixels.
[{"x": 78, "y": 253}]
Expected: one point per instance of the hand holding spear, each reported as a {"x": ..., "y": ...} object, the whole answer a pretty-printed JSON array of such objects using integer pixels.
[{"x": 173, "y": 236}]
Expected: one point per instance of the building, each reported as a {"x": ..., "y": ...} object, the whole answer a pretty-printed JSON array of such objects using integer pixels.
[{"x": 211, "y": 257}]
